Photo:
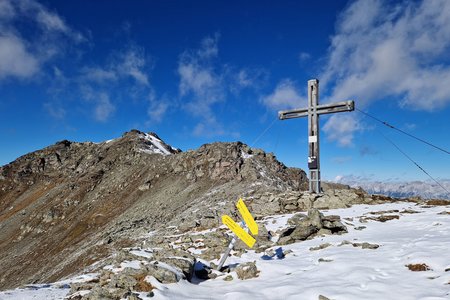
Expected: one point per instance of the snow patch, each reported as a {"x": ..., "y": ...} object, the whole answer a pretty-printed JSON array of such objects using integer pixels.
[
  {"x": 157, "y": 144},
  {"x": 246, "y": 155}
]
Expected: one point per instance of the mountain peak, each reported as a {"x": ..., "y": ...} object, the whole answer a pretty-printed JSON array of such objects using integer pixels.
[{"x": 149, "y": 142}]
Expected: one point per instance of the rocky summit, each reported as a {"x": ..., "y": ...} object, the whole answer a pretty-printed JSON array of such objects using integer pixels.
[{"x": 74, "y": 207}]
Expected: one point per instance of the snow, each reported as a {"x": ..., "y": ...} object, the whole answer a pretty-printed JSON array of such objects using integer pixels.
[
  {"x": 246, "y": 155},
  {"x": 57, "y": 290},
  {"x": 340, "y": 271},
  {"x": 352, "y": 272},
  {"x": 142, "y": 252},
  {"x": 157, "y": 143},
  {"x": 35, "y": 293},
  {"x": 134, "y": 264}
]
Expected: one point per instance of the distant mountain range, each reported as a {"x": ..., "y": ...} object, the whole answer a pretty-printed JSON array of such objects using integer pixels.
[{"x": 400, "y": 189}]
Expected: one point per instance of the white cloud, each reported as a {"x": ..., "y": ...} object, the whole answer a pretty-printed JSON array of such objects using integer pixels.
[
  {"x": 383, "y": 49},
  {"x": 197, "y": 74},
  {"x": 102, "y": 85},
  {"x": 341, "y": 159},
  {"x": 243, "y": 79},
  {"x": 156, "y": 111},
  {"x": 157, "y": 108},
  {"x": 209, "y": 48},
  {"x": 303, "y": 56},
  {"x": 15, "y": 59},
  {"x": 206, "y": 83},
  {"x": 23, "y": 53},
  {"x": 341, "y": 128},
  {"x": 209, "y": 129},
  {"x": 246, "y": 78},
  {"x": 103, "y": 108},
  {"x": 128, "y": 63},
  {"x": 7, "y": 10},
  {"x": 201, "y": 85},
  {"x": 54, "y": 110},
  {"x": 98, "y": 74},
  {"x": 133, "y": 64},
  {"x": 285, "y": 96},
  {"x": 200, "y": 80}
]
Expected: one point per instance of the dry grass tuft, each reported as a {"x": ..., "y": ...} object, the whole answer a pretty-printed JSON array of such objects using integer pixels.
[
  {"x": 418, "y": 267},
  {"x": 142, "y": 285},
  {"x": 438, "y": 202}
]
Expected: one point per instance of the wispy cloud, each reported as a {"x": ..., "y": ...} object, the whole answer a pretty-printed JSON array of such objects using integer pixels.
[
  {"x": 124, "y": 74},
  {"x": 285, "y": 96},
  {"x": 341, "y": 128},
  {"x": 55, "y": 110},
  {"x": 128, "y": 63},
  {"x": 22, "y": 56},
  {"x": 103, "y": 107},
  {"x": 202, "y": 85},
  {"x": 366, "y": 150},
  {"x": 157, "y": 108},
  {"x": 133, "y": 63},
  {"x": 15, "y": 59},
  {"x": 205, "y": 82},
  {"x": 341, "y": 159},
  {"x": 246, "y": 79},
  {"x": 199, "y": 77},
  {"x": 304, "y": 56}
]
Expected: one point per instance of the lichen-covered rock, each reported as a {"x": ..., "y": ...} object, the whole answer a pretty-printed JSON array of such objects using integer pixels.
[
  {"x": 302, "y": 227},
  {"x": 247, "y": 271}
]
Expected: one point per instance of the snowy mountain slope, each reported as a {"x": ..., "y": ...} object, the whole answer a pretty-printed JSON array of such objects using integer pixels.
[
  {"x": 343, "y": 269},
  {"x": 347, "y": 272}
]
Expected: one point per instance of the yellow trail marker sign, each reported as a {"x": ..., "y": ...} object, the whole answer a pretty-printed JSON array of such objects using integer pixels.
[
  {"x": 248, "y": 219},
  {"x": 241, "y": 233}
]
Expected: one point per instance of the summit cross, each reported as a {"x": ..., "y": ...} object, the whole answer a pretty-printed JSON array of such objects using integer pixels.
[{"x": 313, "y": 111}]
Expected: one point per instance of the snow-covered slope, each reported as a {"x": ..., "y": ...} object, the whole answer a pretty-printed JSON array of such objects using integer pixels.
[{"x": 344, "y": 269}]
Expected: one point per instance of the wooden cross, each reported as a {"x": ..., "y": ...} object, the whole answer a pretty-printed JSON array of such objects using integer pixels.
[{"x": 312, "y": 112}]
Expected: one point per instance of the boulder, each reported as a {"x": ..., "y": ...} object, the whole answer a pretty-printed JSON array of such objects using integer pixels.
[
  {"x": 247, "y": 271},
  {"x": 303, "y": 226}
]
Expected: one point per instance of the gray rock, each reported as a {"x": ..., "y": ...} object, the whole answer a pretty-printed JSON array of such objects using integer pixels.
[
  {"x": 315, "y": 218},
  {"x": 333, "y": 224},
  {"x": 303, "y": 227},
  {"x": 296, "y": 219},
  {"x": 163, "y": 274},
  {"x": 320, "y": 247},
  {"x": 186, "y": 265},
  {"x": 247, "y": 271},
  {"x": 125, "y": 279}
]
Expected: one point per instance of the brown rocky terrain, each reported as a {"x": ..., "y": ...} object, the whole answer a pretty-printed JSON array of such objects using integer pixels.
[{"x": 72, "y": 204}]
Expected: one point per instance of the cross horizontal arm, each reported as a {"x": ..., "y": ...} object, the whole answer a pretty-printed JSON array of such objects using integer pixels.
[{"x": 320, "y": 110}]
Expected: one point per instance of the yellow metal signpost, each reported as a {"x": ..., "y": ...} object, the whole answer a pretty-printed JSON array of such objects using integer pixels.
[
  {"x": 239, "y": 231},
  {"x": 248, "y": 219},
  {"x": 249, "y": 223}
]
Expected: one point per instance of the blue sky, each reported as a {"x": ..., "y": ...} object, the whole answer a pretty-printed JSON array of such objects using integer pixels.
[{"x": 197, "y": 72}]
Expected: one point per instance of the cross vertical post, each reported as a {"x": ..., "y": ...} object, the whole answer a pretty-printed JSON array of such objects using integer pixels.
[
  {"x": 313, "y": 136},
  {"x": 313, "y": 111}
]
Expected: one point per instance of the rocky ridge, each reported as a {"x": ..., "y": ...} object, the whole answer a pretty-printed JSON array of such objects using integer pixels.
[{"x": 71, "y": 205}]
